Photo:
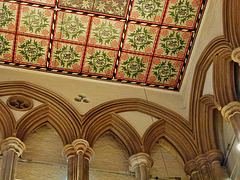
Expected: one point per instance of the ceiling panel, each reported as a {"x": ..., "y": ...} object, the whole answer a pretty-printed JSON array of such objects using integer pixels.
[{"x": 140, "y": 41}]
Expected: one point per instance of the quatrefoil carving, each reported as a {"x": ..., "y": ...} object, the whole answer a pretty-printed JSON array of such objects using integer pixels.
[{"x": 20, "y": 103}]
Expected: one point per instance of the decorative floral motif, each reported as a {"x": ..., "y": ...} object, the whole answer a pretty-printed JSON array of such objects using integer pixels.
[
  {"x": 31, "y": 50},
  {"x": 66, "y": 56},
  {"x": 36, "y": 21},
  {"x": 133, "y": 67},
  {"x": 71, "y": 27},
  {"x": 182, "y": 13},
  {"x": 164, "y": 71},
  {"x": 94, "y": 41},
  {"x": 140, "y": 38},
  {"x": 8, "y": 15},
  {"x": 99, "y": 61},
  {"x": 77, "y": 4},
  {"x": 113, "y": 7},
  {"x": 106, "y": 32},
  {"x": 148, "y": 10},
  {"x": 173, "y": 43},
  {"x": 6, "y": 46}
]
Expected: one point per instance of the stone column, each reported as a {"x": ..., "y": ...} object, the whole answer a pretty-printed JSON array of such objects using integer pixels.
[
  {"x": 215, "y": 158},
  {"x": 11, "y": 149},
  {"x": 69, "y": 154},
  {"x": 140, "y": 164},
  {"x": 79, "y": 154},
  {"x": 206, "y": 166},
  {"x": 231, "y": 113}
]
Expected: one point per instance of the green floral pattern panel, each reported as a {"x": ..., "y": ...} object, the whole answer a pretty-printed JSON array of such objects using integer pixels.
[
  {"x": 105, "y": 32},
  {"x": 6, "y": 46},
  {"x": 31, "y": 51},
  {"x": 8, "y": 16},
  {"x": 148, "y": 10},
  {"x": 67, "y": 56},
  {"x": 113, "y": 7},
  {"x": 35, "y": 21},
  {"x": 77, "y": 4},
  {"x": 182, "y": 13},
  {"x": 145, "y": 41},
  {"x": 164, "y": 71},
  {"x": 71, "y": 27},
  {"x": 140, "y": 38},
  {"x": 99, "y": 61},
  {"x": 173, "y": 43},
  {"x": 133, "y": 67}
]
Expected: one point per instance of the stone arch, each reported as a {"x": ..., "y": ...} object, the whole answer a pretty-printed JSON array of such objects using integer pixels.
[
  {"x": 179, "y": 136},
  {"x": 7, "y": 121},
  {"x": 41, "y": 115},
  {"x": 171, "y": 125},
  {"x": 217, "y": 52},
  {"x": 62, "y": 116},
  {"x": 118, "y": 127}
]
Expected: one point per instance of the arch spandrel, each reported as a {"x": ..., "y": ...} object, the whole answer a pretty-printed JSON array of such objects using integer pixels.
[{"x": 55, "y": 110}]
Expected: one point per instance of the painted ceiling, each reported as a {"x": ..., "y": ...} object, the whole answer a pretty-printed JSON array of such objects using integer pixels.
[{"x": 146, "y": 42}]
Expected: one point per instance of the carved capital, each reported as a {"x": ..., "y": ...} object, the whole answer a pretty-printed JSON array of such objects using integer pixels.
[
  {"x": 89, "y": 154},
  {"x": 80, "y": 145},
  {"x": 230, "y": 110},
  {"x": 68, "y": 151},
  {"x": 211, "y": 160},
  {"x": 201, "y": 160},
  {"x": 214, "y": 156},
  {"x": 191, "y": 167},
  {"x": 13, "y": 144},
  {"x": 139, "y": 159},
  {"x": 236, "y": 55}
]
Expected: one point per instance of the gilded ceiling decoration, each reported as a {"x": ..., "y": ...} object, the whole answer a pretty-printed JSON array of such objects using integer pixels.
[{"x": 146, "y": 42}]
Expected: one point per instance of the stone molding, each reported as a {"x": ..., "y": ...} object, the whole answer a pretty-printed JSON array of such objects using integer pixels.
[
  {"x": 231, "y": 113},
  {"x": 11, "y": 148},
  {"x": 230, "y": 110},
  {"x": 68, "y": 151},
  {"x": 206, "y": 165},
  {"x": 13, "y": 144},
  {"x": 231, "y": 23},
  {"x": 140, "y": 164},
  {"x": 71, "y": 125},
  {"x": 79, "y": 154},
  {"x": 77, "y": 146},
  {"x": 137, "y": 159},
  {"x": 236, "y": 55}
]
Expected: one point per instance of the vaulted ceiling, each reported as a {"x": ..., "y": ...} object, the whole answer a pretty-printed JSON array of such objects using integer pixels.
[{"x": 141, "y": 42}]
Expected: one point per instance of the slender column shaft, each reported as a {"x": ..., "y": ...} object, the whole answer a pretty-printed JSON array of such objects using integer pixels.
[
  {"x": 80, "y": 165},
  {"x": 138, "y": 173},
  {"x": 11, "y": 148},
  {"x": 140, "y": 164},
  {"x": 79, "y": 155},
  {"x": 217, "y": 171},
  {"x": 70, "y": 156}
]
